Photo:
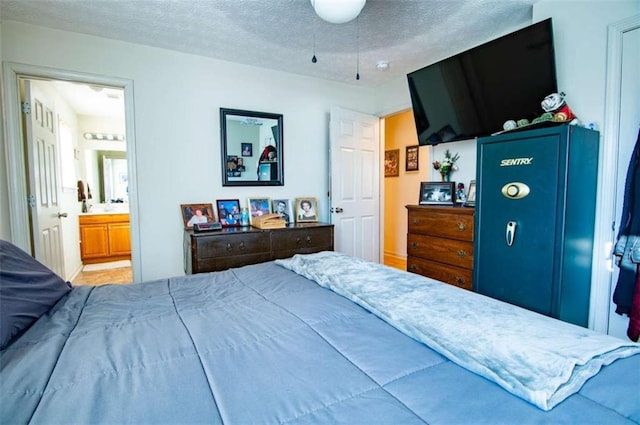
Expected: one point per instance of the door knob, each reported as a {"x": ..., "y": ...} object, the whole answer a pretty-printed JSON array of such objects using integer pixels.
[
  {"x": 60, "y": 215},
  {"x": 338, "y": 210}
]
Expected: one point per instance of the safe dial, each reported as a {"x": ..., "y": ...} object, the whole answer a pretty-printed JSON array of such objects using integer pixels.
[{"x": 515, "y": 190}]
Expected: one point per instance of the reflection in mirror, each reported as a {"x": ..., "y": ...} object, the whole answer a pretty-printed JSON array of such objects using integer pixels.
[
  {"x": 251, "y": 145},
  {"x": 114, "y": 184}
]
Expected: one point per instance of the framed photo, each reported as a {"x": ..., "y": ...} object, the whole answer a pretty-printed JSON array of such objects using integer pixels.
[
  {"x": 241, "y": 168},
  {"x": 471, "y": 196},
  {"x": 228, "y": 212},
  {"x": 247, "y": 149},
  {"x": 232, "y": 166},
  {"x": 306, "y": 210},
  {"x": 391, "y": 163},
  {"x": 284, "y": 208},
  {"x": 437, "y": 193},
  {"x": 196, "y": 213},
  {"x": 411, "y": 163},
  {"x": 258, "y": 207}
]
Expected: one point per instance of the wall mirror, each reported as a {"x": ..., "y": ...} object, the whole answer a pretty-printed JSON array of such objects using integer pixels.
[{"x": 251, "y": 148}]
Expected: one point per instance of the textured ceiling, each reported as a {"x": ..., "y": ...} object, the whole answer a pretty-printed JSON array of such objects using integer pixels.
[{"x": 279, "y": 34}]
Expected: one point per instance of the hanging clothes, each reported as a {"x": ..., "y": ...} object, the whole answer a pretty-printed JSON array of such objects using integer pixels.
[{"x": 627, "y": 248}]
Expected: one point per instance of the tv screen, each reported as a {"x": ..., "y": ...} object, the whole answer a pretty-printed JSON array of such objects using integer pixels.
[{"x": 474, "y": 92}]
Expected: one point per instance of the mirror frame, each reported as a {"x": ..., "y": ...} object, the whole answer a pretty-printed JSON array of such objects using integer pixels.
[{"x": 224, "y": 112}]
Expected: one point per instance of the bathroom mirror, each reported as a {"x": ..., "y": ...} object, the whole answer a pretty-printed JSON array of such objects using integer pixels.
[
  {"x": 251, "y": 148},
  {"x": 113, "y": 179}
]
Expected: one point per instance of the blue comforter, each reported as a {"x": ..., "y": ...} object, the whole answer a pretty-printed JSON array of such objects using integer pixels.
[
  {"x": 540, "y": 359},
  {"x": 258, "y": 345}
]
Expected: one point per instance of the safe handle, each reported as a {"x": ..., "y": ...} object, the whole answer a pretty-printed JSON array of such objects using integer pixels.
[{"x": 510, "y": 234}]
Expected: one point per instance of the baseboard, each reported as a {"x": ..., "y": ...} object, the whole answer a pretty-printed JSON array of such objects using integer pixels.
[{"x": 395, "y": 261}]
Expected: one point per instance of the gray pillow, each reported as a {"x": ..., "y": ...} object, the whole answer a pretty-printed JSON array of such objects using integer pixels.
[{"x": 28, "y": 289}]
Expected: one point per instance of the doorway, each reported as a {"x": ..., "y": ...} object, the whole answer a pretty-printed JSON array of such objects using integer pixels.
[{"x": 21, "y": 208}]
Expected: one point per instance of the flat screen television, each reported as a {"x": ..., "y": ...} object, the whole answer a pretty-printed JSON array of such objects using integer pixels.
[{"x": 474, "y": 92}]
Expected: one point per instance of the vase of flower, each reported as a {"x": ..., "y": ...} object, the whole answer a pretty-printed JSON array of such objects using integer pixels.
[{"x": 447, "y": 165}]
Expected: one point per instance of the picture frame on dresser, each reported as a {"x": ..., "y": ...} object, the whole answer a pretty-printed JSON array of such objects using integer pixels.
[
  {"x": 258, "y": 207},
  {"x": 471, "y": 196},
  {"x": 284, "y": 208},
  {"x": 196, "y": 213},
  {"x": 228, "y": 212},
  {"x": 306, "y": 210},
  {"x": 437, "y": 193}
]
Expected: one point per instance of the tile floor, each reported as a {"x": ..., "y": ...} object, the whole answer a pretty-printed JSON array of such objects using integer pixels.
[{"x": 119, "y": 275}]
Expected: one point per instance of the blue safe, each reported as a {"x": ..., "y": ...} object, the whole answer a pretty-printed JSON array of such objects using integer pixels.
[{"x": 535, "y": 218}]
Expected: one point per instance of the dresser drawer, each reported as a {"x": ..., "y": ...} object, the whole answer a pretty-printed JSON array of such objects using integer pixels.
[
  {"x": 441, "y": 224},
  {"x": 304, "y": 238},
  {"x": 232, "y": 245},
  {"x": 452, "y": 275},
  {"x": 448, "y": 251}
]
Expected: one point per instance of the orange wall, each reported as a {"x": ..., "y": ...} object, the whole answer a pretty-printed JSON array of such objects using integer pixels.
[{"x": 400, "y": 132}]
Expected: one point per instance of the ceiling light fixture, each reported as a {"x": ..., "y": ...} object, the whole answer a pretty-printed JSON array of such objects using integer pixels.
[
  {"x": 103, "y": 136},
  {"x": 382, "y": 65},
  {"x": 338, "y": 11}
]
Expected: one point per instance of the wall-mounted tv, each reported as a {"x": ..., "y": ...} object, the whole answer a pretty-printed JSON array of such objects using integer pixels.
[{"x": 474, "y": 92}]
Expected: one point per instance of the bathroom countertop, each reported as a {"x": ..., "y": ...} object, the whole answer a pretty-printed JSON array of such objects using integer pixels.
[{"x": 105, "y": 212}]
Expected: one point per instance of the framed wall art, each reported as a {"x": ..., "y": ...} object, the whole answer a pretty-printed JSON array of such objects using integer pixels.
[
  {"x": 247, "y": 149},
  {"x": 437, "y": 193},
  {"x": 411, "y": 158},
  {"x": 391, "y": 163}
]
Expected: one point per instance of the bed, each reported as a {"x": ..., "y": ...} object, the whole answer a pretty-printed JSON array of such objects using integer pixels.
[{"x": 289, "y": 342}]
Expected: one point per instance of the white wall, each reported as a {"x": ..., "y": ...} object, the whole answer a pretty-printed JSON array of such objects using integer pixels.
[{"x": 177, "y": 99}]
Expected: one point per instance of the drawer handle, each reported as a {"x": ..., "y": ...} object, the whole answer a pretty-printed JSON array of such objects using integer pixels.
[
  {"x": 413, "y": 267},
  {"x": 414, "y": 245},
  {"x": 229, "y": 247},
  {"x": 298, "y": 241},
  {"x": 462, "y": 226},
  {"x": 242, "y": 246},
  {"x": 460, "y": 280},
  {"x": 415, "y": 221},
  {"x": 462, "y": 253},
  {"x": 308, "y": 239}
]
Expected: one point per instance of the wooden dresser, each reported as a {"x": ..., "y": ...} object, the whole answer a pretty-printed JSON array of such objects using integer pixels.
[
  {"x": 239, "y": 246},
  {"x": 440, "y": 243}
]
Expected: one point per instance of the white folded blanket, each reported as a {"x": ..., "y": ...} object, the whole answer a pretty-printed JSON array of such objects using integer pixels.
[{"x": 535, "y": 357}]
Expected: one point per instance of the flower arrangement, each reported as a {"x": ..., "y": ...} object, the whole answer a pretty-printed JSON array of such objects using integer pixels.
[{"x": 447, "y": 165}]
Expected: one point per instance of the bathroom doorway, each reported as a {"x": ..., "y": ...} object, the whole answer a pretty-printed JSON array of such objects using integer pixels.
[{"x": 68, "y": 120}]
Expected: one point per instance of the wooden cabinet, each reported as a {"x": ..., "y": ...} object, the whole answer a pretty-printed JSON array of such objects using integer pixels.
[
  {"x": 440, "y": 243},
  {"x": 239, "y": 246},
  {"x": 104, "y": 237}
]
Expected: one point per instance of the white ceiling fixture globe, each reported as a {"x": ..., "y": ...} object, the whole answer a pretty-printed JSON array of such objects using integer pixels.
[{"x": 338, "y": 11}]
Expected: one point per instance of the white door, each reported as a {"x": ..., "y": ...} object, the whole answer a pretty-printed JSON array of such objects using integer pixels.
[
  {"x": 44, "y": 177},
  {"x": 355, "y": 183}
]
